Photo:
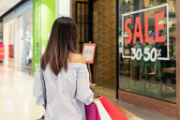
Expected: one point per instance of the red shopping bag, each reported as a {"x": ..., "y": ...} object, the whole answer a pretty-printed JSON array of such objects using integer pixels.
[
  {"x": 112, "y": 110},
  {"x": 92, "y": 112}
]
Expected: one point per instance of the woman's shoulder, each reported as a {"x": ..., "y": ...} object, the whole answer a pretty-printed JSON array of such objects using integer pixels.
[{"x": 77, "y": 58}]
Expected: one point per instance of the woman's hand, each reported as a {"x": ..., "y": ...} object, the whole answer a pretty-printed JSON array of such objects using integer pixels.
[
  {"x": 92, "y": 85},
  {"x": 95, "y": 99}
]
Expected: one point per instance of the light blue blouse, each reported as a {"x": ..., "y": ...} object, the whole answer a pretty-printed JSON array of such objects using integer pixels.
[{"x": 66, "y": 93}]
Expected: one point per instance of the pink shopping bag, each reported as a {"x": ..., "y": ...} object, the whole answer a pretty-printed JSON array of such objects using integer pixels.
[{"x": 91, "y": 112}]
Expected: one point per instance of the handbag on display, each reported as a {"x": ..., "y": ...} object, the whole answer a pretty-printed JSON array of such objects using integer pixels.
[
  {"x": 112, "y": 110},
  {"x": 91, "y": 112}
]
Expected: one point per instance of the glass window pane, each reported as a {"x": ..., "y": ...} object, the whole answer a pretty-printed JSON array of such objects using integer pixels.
[{"x": 147, "y": 48}]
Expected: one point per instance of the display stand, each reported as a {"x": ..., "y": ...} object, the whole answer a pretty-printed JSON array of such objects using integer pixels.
[
  {"x": 88, "y": 53},
  {"x": 90, "y": 74},
  {"x": 89, "y": 68}
]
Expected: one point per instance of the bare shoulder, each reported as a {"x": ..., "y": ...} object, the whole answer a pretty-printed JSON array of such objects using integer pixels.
[{"x": 77, "y": 58}]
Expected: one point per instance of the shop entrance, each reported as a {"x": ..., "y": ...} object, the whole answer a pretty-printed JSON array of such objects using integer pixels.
[
  {"x": 82, "y": 21},
  {"x": 94, "y": 26}
]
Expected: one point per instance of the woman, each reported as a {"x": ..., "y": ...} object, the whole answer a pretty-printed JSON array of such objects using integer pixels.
[{"x": 65, "y": 73}]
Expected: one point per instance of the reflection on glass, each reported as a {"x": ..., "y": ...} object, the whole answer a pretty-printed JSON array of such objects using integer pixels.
[
  {"x": 151, "y": 68},
  {"x": 28, "y": 42}
]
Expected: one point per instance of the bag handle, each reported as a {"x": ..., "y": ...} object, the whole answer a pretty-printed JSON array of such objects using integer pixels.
[
  {"x": 44, "y": 88},
  {"x": 95, "y": 94}
]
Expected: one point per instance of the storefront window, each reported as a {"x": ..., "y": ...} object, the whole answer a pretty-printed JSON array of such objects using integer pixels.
[
  {"x": 27, "y": 53},
  {"x": 147, "y": 48}
]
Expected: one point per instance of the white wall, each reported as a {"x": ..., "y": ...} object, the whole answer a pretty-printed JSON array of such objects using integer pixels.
[{"x": 64, "y": 8}]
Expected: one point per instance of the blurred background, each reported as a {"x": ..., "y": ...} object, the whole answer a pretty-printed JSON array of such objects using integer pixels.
[{"x": 149, "y": 89}]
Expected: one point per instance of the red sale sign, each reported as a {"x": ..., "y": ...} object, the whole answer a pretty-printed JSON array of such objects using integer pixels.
[
  {"x": 152, "y": 54},
  {"x": 139, "y": 33},
  {"x": 1, "y": 51},
  {"x": 89, "y": 52}
]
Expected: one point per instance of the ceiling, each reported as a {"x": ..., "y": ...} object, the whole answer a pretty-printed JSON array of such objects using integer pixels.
[{"x": 6, "y": 5}]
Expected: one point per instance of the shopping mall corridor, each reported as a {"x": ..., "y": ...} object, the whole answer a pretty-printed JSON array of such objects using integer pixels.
[
  {"x": 16, "y": 99},
  {"x": 18, "y": 103}
]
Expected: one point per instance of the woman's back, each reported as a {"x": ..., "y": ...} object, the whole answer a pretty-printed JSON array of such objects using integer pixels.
[{"x": 67, "y": 92}]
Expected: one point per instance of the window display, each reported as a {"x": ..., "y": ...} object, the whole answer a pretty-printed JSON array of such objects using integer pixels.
[
  {"x": 26, "y": 31},
  {"x": 1, "y": 51},
  {"x": 148, "y": 48},
  {"x": 28, "y": 42}
]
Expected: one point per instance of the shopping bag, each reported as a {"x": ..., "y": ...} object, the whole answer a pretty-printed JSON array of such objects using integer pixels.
[
  {"x": 129, "y": 115},
  {"x": 102, "y": 111},
  {"x": 91, "y": 112},
  {"x": 112, "y": 110}
]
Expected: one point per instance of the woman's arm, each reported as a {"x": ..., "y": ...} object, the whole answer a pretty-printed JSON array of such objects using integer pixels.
[
  {"x": 91, "y": 85},
  {"x": 84, "y": 93}
]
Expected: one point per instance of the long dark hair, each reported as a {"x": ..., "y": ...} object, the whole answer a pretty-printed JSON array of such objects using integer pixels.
[{"x": 63, "y": 41}]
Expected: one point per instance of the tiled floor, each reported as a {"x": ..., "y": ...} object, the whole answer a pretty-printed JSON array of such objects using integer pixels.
[
  {"x": 18, "y": 103},
  {"x": 110, "y": 93},
  {"x": 16, "y": 99}
]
